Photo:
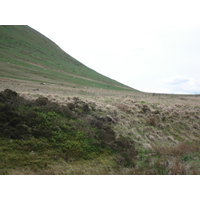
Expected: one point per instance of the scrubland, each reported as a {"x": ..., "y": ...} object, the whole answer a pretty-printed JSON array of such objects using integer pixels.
[{"x": 80, "y": 130}]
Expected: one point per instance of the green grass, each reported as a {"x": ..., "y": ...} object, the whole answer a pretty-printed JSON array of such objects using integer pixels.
[{"x": 28, "y": 51}]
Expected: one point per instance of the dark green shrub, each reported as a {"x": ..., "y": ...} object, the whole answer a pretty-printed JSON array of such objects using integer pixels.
[
  {"x": 41, "y": 101},
  {"x": 10, "y": 93}
]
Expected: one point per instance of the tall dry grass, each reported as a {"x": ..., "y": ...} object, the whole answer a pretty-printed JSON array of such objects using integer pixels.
[{"x": 178, "y": 150}]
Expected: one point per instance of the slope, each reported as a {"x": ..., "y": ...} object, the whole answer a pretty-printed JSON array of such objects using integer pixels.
[{"x": 28, "y": 55}]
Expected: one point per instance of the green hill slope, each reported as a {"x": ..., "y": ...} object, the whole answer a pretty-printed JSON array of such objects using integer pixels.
[{"x": 26, "y": 54}]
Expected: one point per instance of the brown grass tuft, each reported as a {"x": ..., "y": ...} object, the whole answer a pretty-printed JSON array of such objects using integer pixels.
[
  {"x": 153, "y": 121},
  {"x": 123, "y": 107},
  {"x": 177, "y": 168},
  {"x": 179, "y": 150}
]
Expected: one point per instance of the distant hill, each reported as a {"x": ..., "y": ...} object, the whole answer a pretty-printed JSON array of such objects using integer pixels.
[{"x": 28, "y": 55}]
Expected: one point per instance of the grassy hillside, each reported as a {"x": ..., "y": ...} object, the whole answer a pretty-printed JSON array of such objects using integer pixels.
[{"x": 26, "y": 54}]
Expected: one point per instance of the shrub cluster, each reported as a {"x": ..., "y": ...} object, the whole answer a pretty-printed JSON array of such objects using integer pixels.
[{"x": 73, "y": 131}]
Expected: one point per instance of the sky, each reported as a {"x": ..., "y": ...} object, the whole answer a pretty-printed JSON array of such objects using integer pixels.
[{"x": 149, "y": 45}]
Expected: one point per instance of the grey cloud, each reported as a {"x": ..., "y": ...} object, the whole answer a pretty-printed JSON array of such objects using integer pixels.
[
  {"x": 176, "y": 80},
  {"x": 182, "y": 85}
]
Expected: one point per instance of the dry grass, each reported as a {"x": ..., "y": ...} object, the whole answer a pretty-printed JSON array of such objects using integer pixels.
[{"x": 179, "y": 149}]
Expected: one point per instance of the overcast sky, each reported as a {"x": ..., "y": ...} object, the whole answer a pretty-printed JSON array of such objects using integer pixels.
[{"x": 150, "y": 45}]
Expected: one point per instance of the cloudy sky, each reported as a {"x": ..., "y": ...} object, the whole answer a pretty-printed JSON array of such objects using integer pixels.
[{"x": 150, "y": 45}]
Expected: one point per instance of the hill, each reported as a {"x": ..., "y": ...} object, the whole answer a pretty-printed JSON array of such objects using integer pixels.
[
  {"x": 54, "y": 120},
  {"x": 28, "y": 55}
]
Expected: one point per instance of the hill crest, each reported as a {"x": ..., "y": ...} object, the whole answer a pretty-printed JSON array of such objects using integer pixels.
[{"x": 28, "y": 55}]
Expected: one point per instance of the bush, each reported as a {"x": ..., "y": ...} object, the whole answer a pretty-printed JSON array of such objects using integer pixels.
[
  {"x": 41, "y": 101},
  {"x": 61, "y": 131}
]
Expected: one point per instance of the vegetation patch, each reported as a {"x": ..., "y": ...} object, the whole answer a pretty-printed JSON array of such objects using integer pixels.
[
  {"x": 83, "y": 136},
  {"x": 37, "y": 134}
]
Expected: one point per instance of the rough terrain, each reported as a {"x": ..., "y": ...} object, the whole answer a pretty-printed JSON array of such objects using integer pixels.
[{"x": 165, "y": 128}]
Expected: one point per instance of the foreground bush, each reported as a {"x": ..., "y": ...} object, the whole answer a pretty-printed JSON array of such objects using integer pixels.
[{"x": 36, "y": 134}]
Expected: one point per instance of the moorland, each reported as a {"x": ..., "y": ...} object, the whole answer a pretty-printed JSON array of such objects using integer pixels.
[{"x": 59, "y": 117}]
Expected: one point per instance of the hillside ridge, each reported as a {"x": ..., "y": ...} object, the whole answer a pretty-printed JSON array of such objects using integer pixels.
[{"x": 26, "y": 52}]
